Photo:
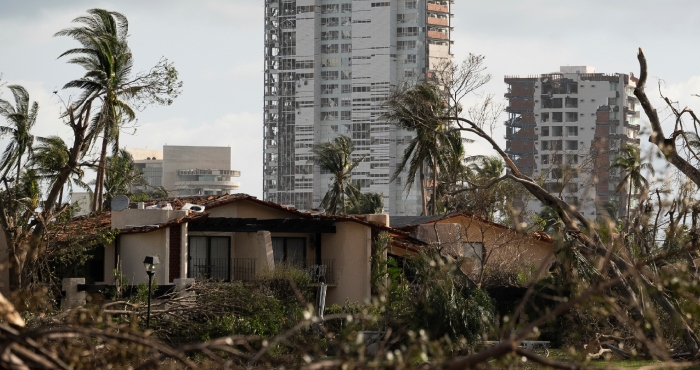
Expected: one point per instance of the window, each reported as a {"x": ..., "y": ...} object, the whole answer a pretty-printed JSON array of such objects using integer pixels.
[
  {"x": 346, "y": 48},
  {"x": 571, "y": 103},
  {"x": 612, "y": 101},
  {"x": 572, "y": 131},
  {"x": 572, "y": 187},
  {"x": 410, "y": 4},
  {"x": 406, "y": 45},
  {"x": 329, "y": 22},
  {"x": 557, "y": 131},
  {"x": 545, "y": 117},
  {"x": 329, "y": 89},
  {"x": 345, "y": 89},
  {"x": 347, "y": 8},
  {"x": 548, "y": 102},
  {"x": 571, "y": 145},
  {"x": 572, "y": 159},
  {"x": 330, "y": 8},
  {"x": 345, "y": 115},
  {"x": 571, "y": 117},
  {"x": 557, "y": 173},
  {"x": 329, "y": 75},
  {"x": 330, "y": 35},
  {"x": 557, "y": 116},
  {"x": 289, "y": 251},
  {"x": 329, "y": 49},
  {"x": 545, "y": 158},
  {"x": 613, "y": 115},
  {"x": 407, "y": 31},
  {"x": 613, "y": 86},
  {"x": 544, "y": 131},
  {"x": 385, "y": 3},
  {"x": 553, "y": 187},
  {"x": 346, "y": 102},
  {"x": 208, "y": 257},
  {"x": 411, "y": 58}
]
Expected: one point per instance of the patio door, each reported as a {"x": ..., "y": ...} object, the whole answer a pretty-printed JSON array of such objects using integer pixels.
[
  {"x": 209, "y": 257},
  {"x": 290, "y": 251}
]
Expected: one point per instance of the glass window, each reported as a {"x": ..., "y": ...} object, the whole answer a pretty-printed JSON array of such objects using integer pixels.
[
  {"x": 290, "y": 251},
  {"x": 208, "y": 257}
]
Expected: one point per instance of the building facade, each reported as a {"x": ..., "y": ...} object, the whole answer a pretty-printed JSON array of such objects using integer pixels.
[
  {"x": 329, "y": 64},
  {"x": 187, "y": 170},
  {"x": 564, "y": 129}
]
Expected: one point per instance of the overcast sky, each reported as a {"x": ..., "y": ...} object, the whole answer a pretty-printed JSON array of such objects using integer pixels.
[{"x": 216, "y": 46}]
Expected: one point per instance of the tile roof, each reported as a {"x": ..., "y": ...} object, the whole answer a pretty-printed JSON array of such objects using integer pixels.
[{"x": 88, "y": 228}]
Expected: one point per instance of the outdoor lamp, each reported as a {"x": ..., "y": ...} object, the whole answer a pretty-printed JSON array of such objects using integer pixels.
[{"x": 150, "y": 263}]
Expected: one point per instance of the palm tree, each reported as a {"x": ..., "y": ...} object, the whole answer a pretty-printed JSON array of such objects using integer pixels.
[
  {"x": 121, "y": 176},
  {"x": 21, "y": 119},
  {"x": 107, "y": 59},
  {"x": 630, "y": 163},
  {"x": 418, "y": 110},
  {"x": 50, "y": 157},
  {"x": 335, "y": 157}
]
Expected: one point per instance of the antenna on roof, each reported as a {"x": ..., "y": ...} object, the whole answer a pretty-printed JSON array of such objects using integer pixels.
[{"x": 119, "y": 203}]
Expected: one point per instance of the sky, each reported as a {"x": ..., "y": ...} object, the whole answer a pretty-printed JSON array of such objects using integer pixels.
[{"x": 217, "y": 47}]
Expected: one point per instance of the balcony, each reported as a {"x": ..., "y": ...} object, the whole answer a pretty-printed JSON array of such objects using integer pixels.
[
  {"x": 438, "y": 21},
  {"x": 437, "y": 35},
  {"x": 438, "y": 8}
]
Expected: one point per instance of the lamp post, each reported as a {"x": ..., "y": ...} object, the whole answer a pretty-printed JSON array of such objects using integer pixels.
[{"x": 150, "y": 263}]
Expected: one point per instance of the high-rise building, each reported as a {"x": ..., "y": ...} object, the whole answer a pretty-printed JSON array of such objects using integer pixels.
[
  {"x": 329, "y": 64},
  {"x": 566, "y": 128},
  {"x": 187, "y": 170}
]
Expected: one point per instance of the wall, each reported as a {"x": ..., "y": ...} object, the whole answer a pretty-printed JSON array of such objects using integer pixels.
[
  {"x": 135, "y": 247},
  {"x": 503, "y": 245},
  {"x": 350, "y": 247},
  {"x": 192, "y": 157}
]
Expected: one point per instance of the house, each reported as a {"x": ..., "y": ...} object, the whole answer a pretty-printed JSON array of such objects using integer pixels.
[
  {"x": 482, "y": 242},
  {"x": 239, "y": 237},
  {"x": 236, "y": 237}
]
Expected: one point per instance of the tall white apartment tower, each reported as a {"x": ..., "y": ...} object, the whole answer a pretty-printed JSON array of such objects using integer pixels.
[{"x": 329, "y": 64}]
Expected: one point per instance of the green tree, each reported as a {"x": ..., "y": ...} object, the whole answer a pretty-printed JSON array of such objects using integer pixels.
[
  {"x": 335, "y": 157},
  {"x": 49, "y": 158},
  {"x": 20, "y": 118},
  {"x": 108, "y": 61},
  {"x": 121, "y": 176},
  {"x": 629, "y": 162},
  {"x": 417, "y": 110}
]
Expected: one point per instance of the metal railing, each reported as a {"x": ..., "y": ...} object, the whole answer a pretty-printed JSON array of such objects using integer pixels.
[
  {"x": 209, "y": 268},
  {"x": 244, "y": 269},
  {"x": 325, "y": 270}
]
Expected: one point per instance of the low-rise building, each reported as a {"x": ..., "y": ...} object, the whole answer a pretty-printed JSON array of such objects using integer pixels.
[{"x": 187, "y": 170}]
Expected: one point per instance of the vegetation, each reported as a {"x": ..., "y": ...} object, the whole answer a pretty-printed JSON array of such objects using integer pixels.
[{"x": 610, "y": 290}]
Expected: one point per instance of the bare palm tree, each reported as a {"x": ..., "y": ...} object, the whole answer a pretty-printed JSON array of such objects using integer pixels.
[{"x": 335, "y": 157}]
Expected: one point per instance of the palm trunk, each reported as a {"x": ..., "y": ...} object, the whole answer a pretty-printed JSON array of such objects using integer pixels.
[
  {"x": 422, "y": 190},
  {"x": 99, "y": 181},
  {"x": 629, "y": 199}
]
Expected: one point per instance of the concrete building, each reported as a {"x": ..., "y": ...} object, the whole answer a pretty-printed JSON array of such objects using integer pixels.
[
  {"x": 187, "y": 170},
  {"x": 328, "y": 66},
  {"x": 565, "y": 128}
]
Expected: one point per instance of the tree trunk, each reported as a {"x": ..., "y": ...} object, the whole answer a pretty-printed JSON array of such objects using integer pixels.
[
  {"x": 422, "y": 190},
  {"x": 434, "y": 200},
  {"x": 99, "y": 181},
  {"x": 629, "y": 201}
]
